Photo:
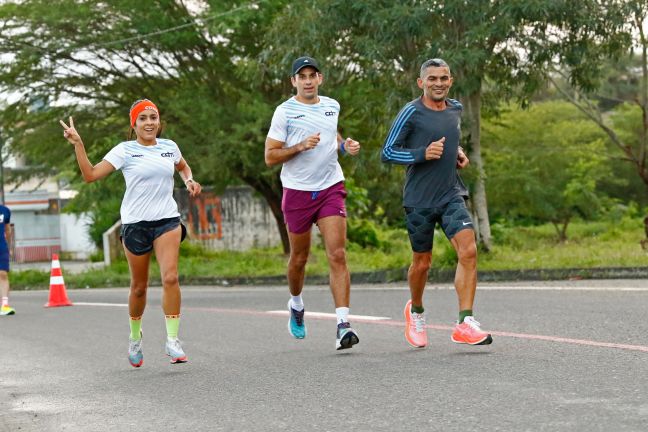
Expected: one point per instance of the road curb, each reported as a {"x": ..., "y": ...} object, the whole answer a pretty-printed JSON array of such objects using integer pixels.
[{"x": 385, "y": 276}]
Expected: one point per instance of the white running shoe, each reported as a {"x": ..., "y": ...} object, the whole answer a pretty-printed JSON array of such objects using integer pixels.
[{"x": 174, "y": 350}]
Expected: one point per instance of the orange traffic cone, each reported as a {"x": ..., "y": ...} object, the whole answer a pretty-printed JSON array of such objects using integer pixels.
[{"x": 57, "y": 294}]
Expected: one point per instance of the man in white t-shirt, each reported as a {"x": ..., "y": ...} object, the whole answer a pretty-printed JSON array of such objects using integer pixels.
[{"x": 304, "y": 138}]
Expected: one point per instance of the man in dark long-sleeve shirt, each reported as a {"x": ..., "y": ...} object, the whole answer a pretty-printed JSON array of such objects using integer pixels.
[{"x": 425, "y": 137}]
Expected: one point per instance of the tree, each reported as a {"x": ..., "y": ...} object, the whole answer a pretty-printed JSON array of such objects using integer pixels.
[
  {"x": 217, "y": 70},
  {"x": 497, "y": 50},
  {"x": 199, "y": 65},
  {"x": 633, "y": 146},
  {"x": 545, "y": 165}
]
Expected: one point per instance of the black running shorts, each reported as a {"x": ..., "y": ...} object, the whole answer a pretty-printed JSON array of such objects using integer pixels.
[
  {"x": 139, "y": 237},
  {"x": 453, "y": 217}
]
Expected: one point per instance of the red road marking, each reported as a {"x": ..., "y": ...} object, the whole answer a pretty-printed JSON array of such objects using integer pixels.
[
  {"x": 395, "y": 323},
  {"x": 439, "y": 327},
  {"x": 573, "y": 341}
]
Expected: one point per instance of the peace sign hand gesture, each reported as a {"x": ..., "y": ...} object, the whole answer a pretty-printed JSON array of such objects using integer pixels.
[{"x": 70, "y": 133}]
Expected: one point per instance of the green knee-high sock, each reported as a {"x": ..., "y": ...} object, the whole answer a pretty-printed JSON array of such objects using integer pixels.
[
  {"x": 172, "y": 326},
  {"x": 136, "y": 328},
  {"x": 463, "y": 314}
]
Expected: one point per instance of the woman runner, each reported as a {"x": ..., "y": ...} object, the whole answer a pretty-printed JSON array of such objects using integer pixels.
[{"x": 149, "y": 215}]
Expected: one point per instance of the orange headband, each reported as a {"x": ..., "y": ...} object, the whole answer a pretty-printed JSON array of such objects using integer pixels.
[{"x": 141, "y": 106}]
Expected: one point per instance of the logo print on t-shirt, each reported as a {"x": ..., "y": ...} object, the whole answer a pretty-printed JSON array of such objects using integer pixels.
[
  {"x": 167, "y": 154},
  {"x": 137, "y": 155}
]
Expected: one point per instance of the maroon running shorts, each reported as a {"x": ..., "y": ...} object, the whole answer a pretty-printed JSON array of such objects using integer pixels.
[{"x": 302, "y": 209}]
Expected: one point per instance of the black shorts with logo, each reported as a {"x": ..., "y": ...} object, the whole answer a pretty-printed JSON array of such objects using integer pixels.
[
  {"x": 138, "y": 237},
  {"x": 453, "y": 217}
]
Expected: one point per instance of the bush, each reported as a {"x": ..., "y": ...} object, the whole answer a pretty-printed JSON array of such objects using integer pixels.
[
  {"x": 97, "y": 256},
  {"x": 30, "y": 279},
  {"x": 443, "y": 253},
  {"x": 364, "y": 233},
  {"x": 194, "y": 249}
]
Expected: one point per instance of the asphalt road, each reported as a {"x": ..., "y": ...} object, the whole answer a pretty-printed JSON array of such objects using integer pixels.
[{"x": 567, "y": 356}]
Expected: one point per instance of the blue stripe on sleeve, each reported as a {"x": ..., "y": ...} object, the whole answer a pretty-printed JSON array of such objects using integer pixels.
[{"x": 388, "y": 151}]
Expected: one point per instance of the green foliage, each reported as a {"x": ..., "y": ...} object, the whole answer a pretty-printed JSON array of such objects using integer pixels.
[
  {"x": 210, "y": 102},
  {"x": 116, "y": 275},
  {"x": 218, "y": 81},
  {"x": 443, "y": 254},
  {"x": 605, "y": 243},
  {"x": 97, "y": 256},
  {"x": 373, "y": 49},
  {"x": 590, "y": 245},
  {"x": 364, "y": 233},
  {"x": 357, "y": 200},
  {"x": 621, "y": 82},
  {"x": 29, "y": 279},
  {"x": 189, "y": 249},
  {"x": 624, "y": 184},
  {"x": 545, "y": 164},
  {"x": 627, "y": 120},
  {"x": 365, "y": 115},
  {"x": 102, "y": 201},
  {"x": 624, "y": 211},
  {"x": 480, "y": 42}
]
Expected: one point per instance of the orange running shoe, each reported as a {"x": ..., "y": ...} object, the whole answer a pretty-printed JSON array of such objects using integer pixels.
[
  {"x": 415, "y": 332},
  {"x": 469, "y": 332}
]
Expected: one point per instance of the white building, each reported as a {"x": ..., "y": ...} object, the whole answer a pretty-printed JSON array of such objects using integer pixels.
[{"x": 40, "y": 229}]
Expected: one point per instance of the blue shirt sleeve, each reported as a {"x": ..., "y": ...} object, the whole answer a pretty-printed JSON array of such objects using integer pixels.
[
  {"x": 4, "y": 223},
  {"x": 6, "y": 216},
  {"x": 394, "y": 150}
]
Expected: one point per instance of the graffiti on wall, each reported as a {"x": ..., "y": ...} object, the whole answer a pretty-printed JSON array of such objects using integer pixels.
[
  {"x": 233, "y": 219},
  {"x": 204, "y": 216}
]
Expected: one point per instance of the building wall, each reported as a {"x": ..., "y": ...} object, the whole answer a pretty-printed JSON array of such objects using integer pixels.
[
  {"x": 37, "y": 236},
  {"x": 40, "y": 230},
  {"x": 35, "y": 226},
  {"x": 235, "y": 220},
  {"x": 75, "y": 238},
  {"x": 39, "y": 227}
]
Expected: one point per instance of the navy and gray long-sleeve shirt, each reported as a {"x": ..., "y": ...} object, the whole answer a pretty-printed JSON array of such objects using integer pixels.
[{"x": 428, "y": 183}]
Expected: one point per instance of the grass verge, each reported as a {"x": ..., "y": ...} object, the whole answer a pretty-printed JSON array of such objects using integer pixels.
[{"x": 590, "y": 245}]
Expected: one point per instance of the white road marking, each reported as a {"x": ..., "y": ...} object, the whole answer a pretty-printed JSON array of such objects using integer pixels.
[
  {"x": 389, "y": 322},
  {"x": 100, "y": 304},
  {"x": 557, "y": 288},
  {"x": 275, "y": 312},
  {"x": 308, "y": 314}
]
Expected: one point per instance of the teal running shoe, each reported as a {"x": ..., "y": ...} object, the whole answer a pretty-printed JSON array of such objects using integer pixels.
[
  {"x": 296, "y": 326},
  {"x": 135, "y": 356},
  {"x": 346, "y": 336}
]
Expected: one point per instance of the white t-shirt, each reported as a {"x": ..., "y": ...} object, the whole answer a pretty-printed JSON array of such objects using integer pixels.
[
  {"x": 293, "y": 122},
  {"x": 148, "y": 171}
]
